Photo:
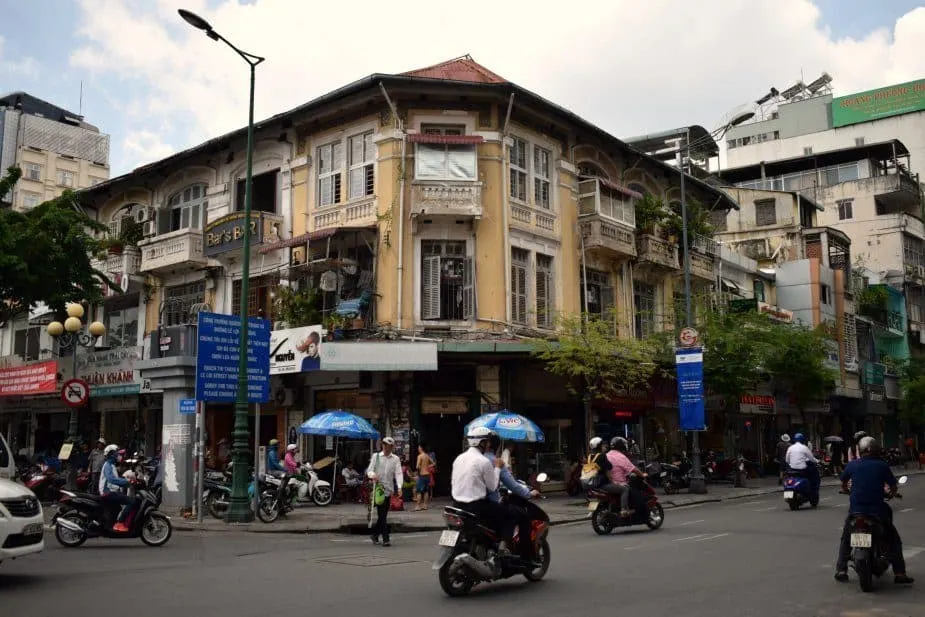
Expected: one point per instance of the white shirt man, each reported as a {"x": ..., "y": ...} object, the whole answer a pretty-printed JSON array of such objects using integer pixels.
[
  {"x": 798, "y": 455},
  {"x": 474, "y": 476}
]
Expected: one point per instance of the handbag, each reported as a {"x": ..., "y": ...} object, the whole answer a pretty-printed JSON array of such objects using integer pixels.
[
  {"x": 378, "y": 489},
  {"x": 396, "y": 503}
]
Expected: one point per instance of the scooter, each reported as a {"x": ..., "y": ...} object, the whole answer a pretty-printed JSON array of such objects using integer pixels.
[
  {"x": 320, "y": 491},
  {"x": 675, "y": 477},
  {"x": 869, "y": 546},
  {"x": 604, "y": 508},
  {"x": 45, "y": 483},
  {"x": 797, "y": 491}
]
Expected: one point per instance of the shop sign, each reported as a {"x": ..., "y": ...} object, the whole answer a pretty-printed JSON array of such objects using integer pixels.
[
  {"x": 227, "y": 233},
  {"x": 880, "y": 103},
  {"x": 404, "y": 356},
  {"x": 35, "y": 378},
  {"x": 775, "y": 313},
  {"x": 757, "y": 404},
  {"x": 295, "y": 350},
  {"x": 440, "y": 405},
  {"x": 111, "y": 372}
]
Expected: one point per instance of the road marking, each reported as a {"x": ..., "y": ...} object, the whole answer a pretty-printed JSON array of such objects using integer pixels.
[
  {"x": 699, "y": 535},
  {"x": 907, "y": 509},
  {"x": 825, "y": 499},
  {"x": 716, "y": 537},
  {"x": 631, "y": 548},
  {"x": 700, "y": 520},
  {"x": 911, "y": 551},
  {"x": 769, "y": 508}
]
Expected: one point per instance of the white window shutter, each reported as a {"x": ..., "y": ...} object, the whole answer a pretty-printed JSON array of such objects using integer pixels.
[
  {"x": 430, "y": 287},
  {"x": 468, "y": 289}
]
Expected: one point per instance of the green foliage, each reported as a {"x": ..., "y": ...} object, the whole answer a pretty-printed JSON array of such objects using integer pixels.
[
  {"x": 873, "y": 298},
  {"x": 797, "y": 363},
  {"x": 595, "y": 362},
  {"x": 912, "y": 384},
  {"x": 650, "y": 212},
  {"x": 298, "y": 308},
  {"x": 698, "y": 221},
  {"x": 45, "y": 254}
]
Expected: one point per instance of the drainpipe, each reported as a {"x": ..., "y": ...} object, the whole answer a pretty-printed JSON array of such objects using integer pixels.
[
  {"x": 401, "y": 207},
  {"x": 506, "y": 206}
]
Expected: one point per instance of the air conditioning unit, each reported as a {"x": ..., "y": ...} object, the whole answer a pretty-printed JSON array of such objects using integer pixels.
[
  {"x": 284, "y": 397},
  {"x": 143, "y": 214},
  {"x": 149, "y": 229}
]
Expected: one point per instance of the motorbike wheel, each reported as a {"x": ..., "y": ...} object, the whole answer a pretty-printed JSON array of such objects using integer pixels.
[
  {"x": 217, "y": 504},
  {"x": 156, "y": 529},
  {"x": 545, "y": 557},
  {"x": 656, "y": 517},
  {"x": 600, "y": 521},
  {"x": 862, "y": 566},
  {"x": 322, "y": 495},
  {"x": 794, "y": 505},
  {"x": 669, "y": 487},
  {"x": 68, "y": 538},
  {"x": 454, "y": 582},
  {"x": 268, "y": 511}
]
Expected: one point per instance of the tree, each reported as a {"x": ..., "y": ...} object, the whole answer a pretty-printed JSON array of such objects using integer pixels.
[
  {"x": 797, "y": 363},
  {"x": 912, "y": 384},
  {"x": 595, "y": 363},
  {"x": 45, "y": 254}
]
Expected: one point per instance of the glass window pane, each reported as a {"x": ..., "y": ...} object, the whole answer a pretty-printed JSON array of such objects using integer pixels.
[{"x": 430, "y": 161}]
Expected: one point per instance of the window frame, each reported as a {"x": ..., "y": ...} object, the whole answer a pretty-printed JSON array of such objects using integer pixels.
[
  {"x": 845, "y": 209},
  {"x": 335, "y": 174},
  {"x": 539, "y": 179},
  {"x": 177, "y": 202},
  {"x": 471, "y": 150},
  {"x": 429, "y": 280},
  {"x": 644, "y": 325},
  {"x": 112, "y": 329},
  {"x": 367, "y": 166},
  {"x": 765, "y": 203},
  {"x": 28, "y": 168},
  {"x": 180, "y": 297},
  {"x": 31, "y": 194},
  {"x": 519, "y": 170},
  {"x": 520, "y": 285},
  {"x": 63, "y": 174},
  {"x": 545, "y": 270}
]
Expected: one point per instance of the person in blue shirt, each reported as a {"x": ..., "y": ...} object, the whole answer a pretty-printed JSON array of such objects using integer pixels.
[
  {"x": 273, "y": 463},
  {"x": 521, "y": 519},
  {"x": 111, "y": 486},
  {"x": 868, "y": 476}
]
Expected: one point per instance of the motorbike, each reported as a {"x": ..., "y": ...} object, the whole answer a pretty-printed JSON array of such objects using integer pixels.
[
  {"x": 797, "y": 491},
  {"x": 674, "y": 477},
  {"x": 277, "y": 494},
  {"x": 45, "y": 483},
  {"x": 216, "y": 493},
  {"x": 469, "y": 550},
  {"x": 320, "y": 491},
  {"x": 870, "y": 546},
  {"x": 81, "y": 516},
  {"x": 604, "y": 508}
]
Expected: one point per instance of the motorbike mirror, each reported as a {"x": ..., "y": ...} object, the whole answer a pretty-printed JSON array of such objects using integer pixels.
[
  {"x": 542, "y": 477},
  {"x": 904, "y": 479}
]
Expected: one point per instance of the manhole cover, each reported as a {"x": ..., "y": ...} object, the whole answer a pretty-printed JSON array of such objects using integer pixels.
[{"x": 367, "y": 561}]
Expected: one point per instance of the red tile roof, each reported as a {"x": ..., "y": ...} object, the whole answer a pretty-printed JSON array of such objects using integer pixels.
[{"x": 459, "y": 69}]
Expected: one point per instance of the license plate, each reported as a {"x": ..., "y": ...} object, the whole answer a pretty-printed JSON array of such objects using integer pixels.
[
  {"x": 33, "y": 529},
  {"x": 449, "y": 538},
  {"x": 592, "y": 506},
  {"x": 861, "y": 540},
  {"x": 788, "y": 494},
  {"x": 664, "y": 473}
]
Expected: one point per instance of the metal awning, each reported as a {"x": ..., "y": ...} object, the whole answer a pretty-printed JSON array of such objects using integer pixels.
[
  {"x": 613, "y": 186},
  {"x": 311, "y": 236}
]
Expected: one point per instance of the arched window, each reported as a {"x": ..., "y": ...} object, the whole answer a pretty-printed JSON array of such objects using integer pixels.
[
  {"x": 588, "y": 170},
  {"x": 635, "y": 186},
  {"x": 116, "y": 221},
  {"x": 186, "y": 209}
]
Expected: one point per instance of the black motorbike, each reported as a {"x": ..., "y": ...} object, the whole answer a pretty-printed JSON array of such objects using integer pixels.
[
  {"x": 870, "y": 546},
  {"x": 81, "y": 516},
  {"x": 276, "y": 496},
  {"x": 604, "y": 508},
  {"x": 674, "y": 477},
  {"x": 469, "y": 549}
]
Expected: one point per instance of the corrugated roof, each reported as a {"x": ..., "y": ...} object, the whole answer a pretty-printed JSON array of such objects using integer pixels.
[{"x": 463, "y": 68}]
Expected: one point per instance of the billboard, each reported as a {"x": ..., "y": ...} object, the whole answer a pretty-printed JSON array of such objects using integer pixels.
[{"x": 880, "y": 103}]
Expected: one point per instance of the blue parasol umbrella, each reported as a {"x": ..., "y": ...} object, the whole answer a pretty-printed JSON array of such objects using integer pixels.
[
  {"x": 509, "y": 426},
  {"x": 339, "y": 423}
]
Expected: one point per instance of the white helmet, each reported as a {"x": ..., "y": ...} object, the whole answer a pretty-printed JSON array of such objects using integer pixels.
[
  {"x": 129, "y": 475},
  {"x": 292, "y": 447},
  {"x": 110, "y": 449},
  {"x": 785, "y": 438},
  {"x": 595, "y": 443},
  {"x": 477, "y": 435}
]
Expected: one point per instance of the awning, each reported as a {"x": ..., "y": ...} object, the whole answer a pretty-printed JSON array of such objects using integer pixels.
[
  {"x": 729, "y": 285},
  {"x": 613, "y": 186},
  {"x": 311, "y": 236},
  {"x": 453, "y": 140}
]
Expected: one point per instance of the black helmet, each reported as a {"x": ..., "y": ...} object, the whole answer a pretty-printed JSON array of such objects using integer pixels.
[{"x": 619, "y": 444}]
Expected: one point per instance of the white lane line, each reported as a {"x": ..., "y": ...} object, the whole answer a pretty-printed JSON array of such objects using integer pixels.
[
  {"x": 768, "y": 509},
  {"x": 631, "y": 548},
  {"x": 699, "y": 535},
  {"x": 716, "y": 537},
  {"x": 907, "y": 509},
  {"x": 825, "y": 499},
  {"x": 911, "y": 551},
  {"x": 700, "y": 520}
]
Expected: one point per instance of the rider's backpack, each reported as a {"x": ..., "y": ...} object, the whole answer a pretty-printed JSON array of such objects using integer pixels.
[{"x": 591, "y": 472}]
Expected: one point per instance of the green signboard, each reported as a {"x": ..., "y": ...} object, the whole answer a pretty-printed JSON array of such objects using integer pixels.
[{"x": 879, "y": 103}]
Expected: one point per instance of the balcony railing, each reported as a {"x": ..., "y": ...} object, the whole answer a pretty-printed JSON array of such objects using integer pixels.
[
  {"x": 705, "y": 245},
  {"x": 534, "y": 219},
  {"x": 598, "y": 233},
  {"x": 446, "y": 198},
  {"x": 169, "y": 251},
  {"x": 355, "y": 214},
  {"x": 120, "y": 269},
  {"x": 655, "y": 252},
  {"x": 702, "y": 266}
]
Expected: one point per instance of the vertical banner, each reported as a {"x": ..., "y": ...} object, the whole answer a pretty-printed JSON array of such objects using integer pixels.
[{"x": 689, "y": 364}]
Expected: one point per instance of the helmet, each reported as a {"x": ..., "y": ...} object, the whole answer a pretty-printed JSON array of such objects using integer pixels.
[
  {"x": 388, "y": 441},
  {"x": 859, "y": 436},
  {"x": 274, "y": 443},
  {"x": 595, "y": 443},
  {"x": 129, "y": 475},
  {"x": 800, "y": 438},
  {"x": 619, "y": 443},
  {"x": 785, "y": 438},
  {"x": 477, "y": 435},
  {"x": 110, "y": 450},
  {"x": 292, "y": 447},
  {"x": 868, "y": 445}
]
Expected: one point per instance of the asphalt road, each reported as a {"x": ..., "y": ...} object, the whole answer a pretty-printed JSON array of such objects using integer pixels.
[{"x": 751, "y": 557}]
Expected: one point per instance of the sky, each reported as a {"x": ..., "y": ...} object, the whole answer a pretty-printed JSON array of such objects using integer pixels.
[{"x": 156, "y": 85}]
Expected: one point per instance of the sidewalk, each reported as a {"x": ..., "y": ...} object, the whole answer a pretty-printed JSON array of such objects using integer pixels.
[{"x": 351, "y": 518}]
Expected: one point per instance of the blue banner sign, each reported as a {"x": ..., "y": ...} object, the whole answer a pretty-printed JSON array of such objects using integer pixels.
[
  {"x": 689, "y": 364},
  {"x": 187, "y": 407},
  {"x": 218, "y": 356}
]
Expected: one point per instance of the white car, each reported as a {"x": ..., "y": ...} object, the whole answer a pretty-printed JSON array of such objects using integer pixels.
[{"x": 22, "y": 524}]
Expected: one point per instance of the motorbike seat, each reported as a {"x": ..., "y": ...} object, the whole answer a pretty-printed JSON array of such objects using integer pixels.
[{"x": 460, "y": 512}]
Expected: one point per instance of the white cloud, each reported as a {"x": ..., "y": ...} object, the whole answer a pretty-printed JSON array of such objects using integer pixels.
[
  {"x": 630, "y": 67},
  {"x": 146, "y": 146},
  {"x": 23, "y": 65}
]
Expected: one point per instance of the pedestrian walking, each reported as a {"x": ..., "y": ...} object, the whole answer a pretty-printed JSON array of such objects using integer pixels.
[
  {"x": 782, "y": 447},
  {"x": 385, "y": 472},
  {"x": 96, "y": 460}
]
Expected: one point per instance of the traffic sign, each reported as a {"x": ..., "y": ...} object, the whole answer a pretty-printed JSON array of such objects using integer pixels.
[
  {"x": 688, "y": 337},
  {"x": 218, "y": 355},
  {"x": 75, "y": 392},
  {"x": 187, "y": 407},
  {"x": 689, "y": 363}
]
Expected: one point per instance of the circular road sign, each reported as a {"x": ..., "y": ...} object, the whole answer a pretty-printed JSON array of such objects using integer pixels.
[
  {"x": 688, "y": 337},
  {"x": 75, "y": 392}
]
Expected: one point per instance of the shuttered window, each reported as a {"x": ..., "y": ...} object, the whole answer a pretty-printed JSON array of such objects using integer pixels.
[
  {"x": 519, "y": 170},
  {"x": 447, "y": 281},
  {"x": 545, "y": 306},
  {"x": 520, "y": 262},
  {"x": 330, "y": 171},
  {"x": 362, "y": 159}
]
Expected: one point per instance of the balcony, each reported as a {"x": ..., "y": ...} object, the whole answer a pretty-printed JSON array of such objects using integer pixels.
[
  {"x": 656, "y": 254},
  {"x": 460, "y": 199},
  {"x": 702, "y": 266},
  {"x": 536, "y": 220},
  {"x": 896, "y": 192},
  {"x": 124, "y": 270},
  {"x": 172, "y": 251},
  {"x": 354, "y": 214},
  {"x": 611, "y": 238}
]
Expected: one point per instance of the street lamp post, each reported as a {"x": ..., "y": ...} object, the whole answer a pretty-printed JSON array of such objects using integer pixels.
[
  {"x": 239, "y": 510},
  {"x": 70, "y": 335}
]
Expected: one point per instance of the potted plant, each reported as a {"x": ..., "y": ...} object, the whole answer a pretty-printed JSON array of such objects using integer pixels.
[
  {"x": 650, "y": 213},
  {"x": 113, "y": 246},
  {"x": 698, "y": 223},
  {"x": 131, "y": 233},
  {"x": 335, "y": 327}
]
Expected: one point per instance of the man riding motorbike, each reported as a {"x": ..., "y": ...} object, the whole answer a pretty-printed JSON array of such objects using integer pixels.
[
  {"x": 111, "y": 487},
  {"x": 474, "y": 478},
  {"x": 800, "y": 461},
  {"x": 273, "y": 463},
  {"x": 621, "y": 468},
  {"x": 519, "y": 517},
  {"x": 868, "y": 475},
  {"x": 854, "y": 450}
]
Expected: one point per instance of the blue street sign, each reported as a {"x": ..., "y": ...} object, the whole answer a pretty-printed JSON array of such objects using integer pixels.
[
  {"x": 689, "y": 364},
  {"x": 187, "y": 407},
  {"x": 217, "y": 359}
]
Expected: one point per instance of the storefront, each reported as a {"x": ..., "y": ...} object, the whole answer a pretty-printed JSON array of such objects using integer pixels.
[{"x": 35, "y": 420}]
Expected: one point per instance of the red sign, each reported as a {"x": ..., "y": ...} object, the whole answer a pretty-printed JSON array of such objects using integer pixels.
[{"x": 37, "y": 378}]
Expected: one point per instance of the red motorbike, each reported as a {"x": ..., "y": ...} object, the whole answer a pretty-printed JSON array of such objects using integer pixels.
[
  {"x": 45, "y": 482},
  {"x": 604, "y": 508}
]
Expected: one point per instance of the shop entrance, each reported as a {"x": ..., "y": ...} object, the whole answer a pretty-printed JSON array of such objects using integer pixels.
[{"x": 442, "y": 434}]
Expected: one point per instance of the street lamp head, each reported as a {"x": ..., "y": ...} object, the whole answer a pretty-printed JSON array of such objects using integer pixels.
[
  {"x": 196, "y": 21},
  {"x": 72, "y": 324},
  {"x": 97, "y": 329},
  {"x": 75, "y": 310},
  {"x": 55, "y": 329}
]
